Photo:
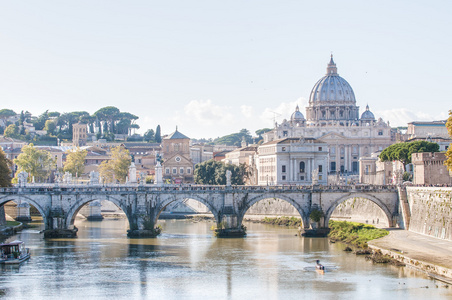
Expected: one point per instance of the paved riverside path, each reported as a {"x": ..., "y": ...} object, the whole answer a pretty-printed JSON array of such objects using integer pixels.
[{"x": 417, "y": 246}]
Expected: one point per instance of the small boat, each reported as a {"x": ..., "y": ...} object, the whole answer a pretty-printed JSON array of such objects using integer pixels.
[
  {"x": 319, "y": 267},
  {"x": 13, "y": 253}
]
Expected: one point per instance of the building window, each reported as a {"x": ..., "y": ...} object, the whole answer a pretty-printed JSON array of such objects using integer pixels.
[
  {"x": 284, "y": 177},
  {"x": 301, "y": 177},
  {"x": 320, "y": 168},
  {"x": 355, "y": 167},
  {"x": 181, "y": 171},
  {"x": 380, "y": 132},
  {"x": 283, "y": 168},
  {"x": 174, "y": 171},
  {"x": 320, "y": 148},
  {"x": 167, "y": 171},
  {"x": 285, "y": 133},
  {"x": 283, "y": 148},
  {"x": 188, "y": 170},
  {"x": 333, "y": 166},
  {"x": 320, "y": 177},
  {"x": 333, "y": 150},
  {"x": 302, "y": 167}
]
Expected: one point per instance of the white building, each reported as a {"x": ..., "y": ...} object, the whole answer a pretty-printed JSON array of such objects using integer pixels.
[
  {"x": 292, "y": 161},
  {"x": 333, "y": 118}
]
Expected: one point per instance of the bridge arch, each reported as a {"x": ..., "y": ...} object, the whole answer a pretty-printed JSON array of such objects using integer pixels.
[
  {"x": 29, "y": 200},
  {"x": 250, "y": 202},
  {"x": 85, "y": 199},
  {"x": 183, "y": 197},
  {"x": 329, "y": 211}
]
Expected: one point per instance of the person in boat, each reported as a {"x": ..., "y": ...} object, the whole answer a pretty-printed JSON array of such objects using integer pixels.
[{"x": 319, "y": 266}]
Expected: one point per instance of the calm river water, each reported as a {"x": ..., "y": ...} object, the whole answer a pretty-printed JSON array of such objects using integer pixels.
[{"x": 187, "y": 262}]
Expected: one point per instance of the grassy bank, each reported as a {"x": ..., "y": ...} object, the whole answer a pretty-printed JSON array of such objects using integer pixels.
[
  {"x": 282, "y": 221},
  {"x": 356, "y": 234}
]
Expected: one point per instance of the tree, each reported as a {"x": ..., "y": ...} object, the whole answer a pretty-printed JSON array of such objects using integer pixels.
[
  {"x": 40, "y": 122},
  {"x": 117, "y": 167},
  {"x": 402, "y": 151},
  {"x": 214, "y": 173},
  {"x": 5, "y": 171},
  {"x": 5, "y": 114},
  {"x": 235, "y": 139},
  {"x": 75, "y": 162},
  {"x": 50, "y": 127},
  {"x": 260, "y": 132},
  {"x": 109, "y": 114},
  {"x": 149, "y": 135},
  {"x": 158, "y": 135},
  {"x": 448, "y": 162},
  {"x": 37, "y": 163},
  {"x": 12, "y": 131}
]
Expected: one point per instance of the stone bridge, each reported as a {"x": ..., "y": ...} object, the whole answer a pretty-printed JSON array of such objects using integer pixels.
[{"x": 142, "y": 205}]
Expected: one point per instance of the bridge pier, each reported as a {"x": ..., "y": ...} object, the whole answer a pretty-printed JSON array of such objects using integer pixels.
[
  {"x": 56, "y": 226},
  {"x": 23, "y": 212},
  {"x": 317, "y": 226},
  {"x": 95, "y": 211},
  {"x": 142, "y": 224},
  {"x": 229, "y": 225}
]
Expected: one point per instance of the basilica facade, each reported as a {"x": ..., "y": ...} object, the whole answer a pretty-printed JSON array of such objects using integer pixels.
[{"x": 333, "y": 119}]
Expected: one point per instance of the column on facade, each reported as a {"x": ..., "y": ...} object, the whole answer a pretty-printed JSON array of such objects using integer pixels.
[
  {"x": 338, "y": 158},
  {"x": 347, "y": 158}
]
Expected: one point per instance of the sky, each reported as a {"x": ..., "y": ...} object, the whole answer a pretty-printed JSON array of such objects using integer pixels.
[{"x": 212, "y": 68}]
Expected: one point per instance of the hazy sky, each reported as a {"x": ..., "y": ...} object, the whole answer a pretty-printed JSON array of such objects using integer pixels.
[{"x": 214, "y": 67}]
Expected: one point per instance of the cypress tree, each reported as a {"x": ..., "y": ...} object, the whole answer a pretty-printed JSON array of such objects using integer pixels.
[{"x": 158, "y": 137}]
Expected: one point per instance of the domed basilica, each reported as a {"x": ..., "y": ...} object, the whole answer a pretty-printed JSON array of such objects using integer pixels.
[{"x": 333, "y": 119}]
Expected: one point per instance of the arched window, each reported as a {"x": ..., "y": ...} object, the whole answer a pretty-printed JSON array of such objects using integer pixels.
[{"x": 302, "y": 167}]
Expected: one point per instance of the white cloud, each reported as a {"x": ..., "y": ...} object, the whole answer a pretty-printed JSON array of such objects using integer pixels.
[
  {"x": 402, "y": 116},
  {"x": 207, "y": 113},
  {"x": 247, "y": 111},
  {"x": 283, "y": 111}
]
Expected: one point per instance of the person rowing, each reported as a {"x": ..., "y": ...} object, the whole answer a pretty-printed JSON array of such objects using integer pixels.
[{"x": 319, "y": 266}]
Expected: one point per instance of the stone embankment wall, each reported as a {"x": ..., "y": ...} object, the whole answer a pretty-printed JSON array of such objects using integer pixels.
[
  {"x": 273, "y": 207},
  {"x": 362, "y": 211},
  {"x": 431, "y": 211}
]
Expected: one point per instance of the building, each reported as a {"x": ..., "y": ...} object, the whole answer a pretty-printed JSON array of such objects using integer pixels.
[
  {"x": 200, "y": 153},
  {"x": 427, "y": 129},
  {"x": 79, "y": 134},
  {"x": 332, "y": 117},
  {"x": 292, "y": 161},
  {"x": 177, "y": 163},
  {"x": 240, "y": 156},
  {"x": 433, "y": 131},
  {"x": 429, "y": 168},
  {"x": 374, "y": 171}
]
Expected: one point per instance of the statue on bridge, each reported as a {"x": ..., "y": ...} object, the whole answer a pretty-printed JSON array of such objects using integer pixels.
[
  {"x": 22, "y": 179},
  {"x": 228, "y": 177},
  {"x": 93, "y": 178},
  {"x": 315, "y": 176},
  {"x": 67, "y": 178}
]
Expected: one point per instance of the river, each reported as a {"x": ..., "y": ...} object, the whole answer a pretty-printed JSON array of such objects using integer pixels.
[{"x": 187, "y": 262}]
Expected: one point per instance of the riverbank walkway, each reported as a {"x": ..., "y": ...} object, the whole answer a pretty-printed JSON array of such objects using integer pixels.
[{"x": 417, "y": 246}]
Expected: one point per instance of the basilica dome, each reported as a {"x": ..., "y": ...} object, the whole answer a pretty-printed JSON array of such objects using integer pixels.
[
  {"x": 332, "y": 88},
  {"x": 297, "y": 116},
  {"x": 367, "y": 114}
]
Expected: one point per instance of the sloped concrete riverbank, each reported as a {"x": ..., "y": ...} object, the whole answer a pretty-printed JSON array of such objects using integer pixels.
[{"x": 430, "y": 255}]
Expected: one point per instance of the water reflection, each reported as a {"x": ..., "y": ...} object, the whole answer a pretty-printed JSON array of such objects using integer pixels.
[{"x": 187, "y": 262}]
